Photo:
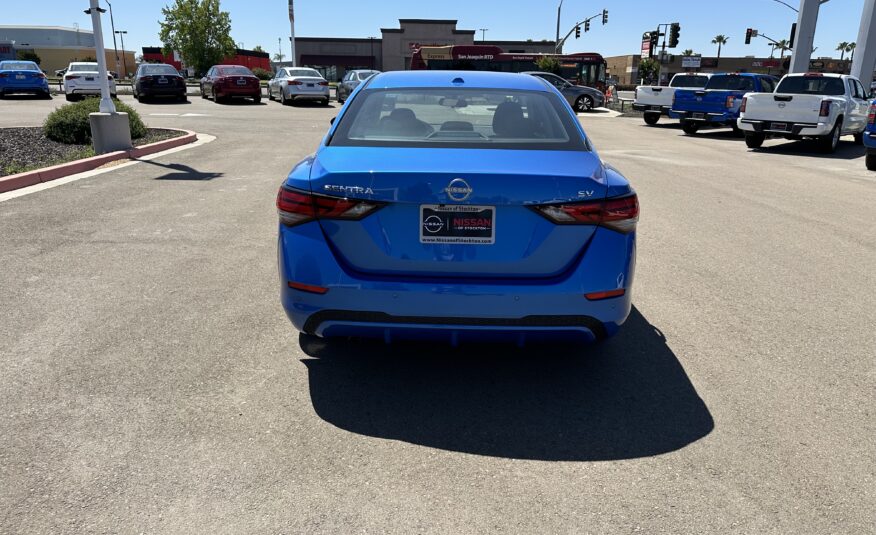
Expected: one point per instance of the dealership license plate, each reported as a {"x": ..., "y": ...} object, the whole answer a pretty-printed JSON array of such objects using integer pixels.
[
  {"x": 89, "y": 78},
  {"x": 162, "y": 80},
  {"x": 457, "y": 224},
  {"x": 780, "y": 126},
  {"x": 241, "y": 82},
  {"x": 19, "y": 77},
  {"x": 699, "y": 115},
  {"x": 655, "y": 108}
]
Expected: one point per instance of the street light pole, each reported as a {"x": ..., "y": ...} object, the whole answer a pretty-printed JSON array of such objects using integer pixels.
[
  {"x": 371, "y": 43},
  {"x": 557, "y": 47},
  {"x": 106, "y": 103},
  {"x": 113, "y": 28},
  {"x": 124, "y": 58},
  {"x": 483, "y": 34}
]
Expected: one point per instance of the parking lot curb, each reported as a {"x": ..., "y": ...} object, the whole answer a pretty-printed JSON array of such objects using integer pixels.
[{"x": 46, "y": 174}]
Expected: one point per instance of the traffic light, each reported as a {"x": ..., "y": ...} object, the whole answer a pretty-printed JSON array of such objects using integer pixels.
[
  {"x": 674, "y": 31},
  {"x": 604, "y": 16},
  {"x": 793, "y": 35},
  {"x": 748, "y": 36},
  {"x": 587, "y": 25},
  {"x": 577, "y": 31},
  {"x": 655, "y": 38}
]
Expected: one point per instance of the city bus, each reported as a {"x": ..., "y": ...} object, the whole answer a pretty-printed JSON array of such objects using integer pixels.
[{"x": 586, "y": 68}]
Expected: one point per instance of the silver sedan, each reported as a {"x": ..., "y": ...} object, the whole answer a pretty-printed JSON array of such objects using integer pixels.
[
  {"x": 581, "y": 98},
  {"x": 295, "y": 83}
]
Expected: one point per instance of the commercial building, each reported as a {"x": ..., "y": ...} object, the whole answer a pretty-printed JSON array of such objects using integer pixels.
[
  {"x": 333, "y": 56},
  {"x": 625, "y": 69},
  {"x": 57, "y": 46},
  {"x": 248, "y": 58}
]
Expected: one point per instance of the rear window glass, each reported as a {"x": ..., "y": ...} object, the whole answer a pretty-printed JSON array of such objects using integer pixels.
[
  {"x": 453, "y": 117},
  {"x": 732, "y": 83},
  {"x": 304, "y": 72},
  {"x": 812, "y": 85},
  {"x": 158, "y": 69},
  {"x": 83, "y": 67},
  {"x": 19, "y": 66},
  {"x": 689, "y": 81},
  {"x": 364, "y": 75},
  {"x": 235, "y": 71}
]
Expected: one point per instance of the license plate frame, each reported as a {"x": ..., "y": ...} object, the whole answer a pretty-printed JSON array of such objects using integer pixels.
[
  {"x": 700, "y": 116},
  {"x": 241, "y": 82},
  {"x": 781, "y": 127},
  {"x": 89, "y": 78},
  {"x": 457, "y": 224},
  {"x": 654, "y": 108},
  {"x": 20, "y": 77}
]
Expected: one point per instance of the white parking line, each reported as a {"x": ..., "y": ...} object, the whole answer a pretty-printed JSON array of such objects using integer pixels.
[{"x": 202, "y": 140}]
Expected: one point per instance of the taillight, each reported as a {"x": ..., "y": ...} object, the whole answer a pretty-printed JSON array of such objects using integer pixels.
[
  {"x": 296, "y": 207},
  {"x": 4, "y": 75},
  {"x": 742, "y": 107},
  {"x": 41, "y": 75},
  {"x": 323, "y": 84},
  {"x": 731, "y": 100},
  {"x": 618, "y": 213},
  {"x": 71, "y": 77},
  {"x": 294, "y": 82},
  {"x": 825, "y": 109},
  {"x": 871, "y": 119}
]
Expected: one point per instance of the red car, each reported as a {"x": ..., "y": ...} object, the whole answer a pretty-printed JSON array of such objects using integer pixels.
[{"x": 224, "y": 82}]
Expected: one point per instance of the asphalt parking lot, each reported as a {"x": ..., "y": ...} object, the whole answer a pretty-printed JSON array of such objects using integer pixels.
[{"x": 151, "y": 382}]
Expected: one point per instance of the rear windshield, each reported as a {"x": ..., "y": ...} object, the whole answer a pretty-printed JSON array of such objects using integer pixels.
[
  {"x": 304, "y": 72},
  {"x": 732, "y": 83},
  {"x": 19, "y": 66},
  {"x": 235, "y": 71},
  {"x": 689, "y": 81},
  {"x": 83, "y": 67},
  {"x": 364, "y": 75},
  {"x": 812, "y": 85},
  {"x": 453, "y": 117},
  {"x": 158, "y": 69}
]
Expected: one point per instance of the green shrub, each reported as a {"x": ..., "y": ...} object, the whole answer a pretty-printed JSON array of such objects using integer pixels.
[
  {"x": 262, "y": 74},
  {"x": 69, "y": 123}
]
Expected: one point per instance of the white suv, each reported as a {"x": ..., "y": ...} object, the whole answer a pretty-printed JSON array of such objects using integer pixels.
[{"x": 81, "y": 79}]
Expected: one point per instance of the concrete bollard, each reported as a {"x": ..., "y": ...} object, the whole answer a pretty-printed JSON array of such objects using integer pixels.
[{"x": 110, "y": 132}]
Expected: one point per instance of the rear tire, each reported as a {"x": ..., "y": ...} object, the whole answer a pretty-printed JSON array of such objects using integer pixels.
[
  {"x": 257, "y": 99},
  {"x": 828, "y": 143},
  {"x": 270, "y": 96},
  {"x": 70, "y": 98},
  {"x": 689, "y": 127},
  {"x": 203, "y": 94},
  {"x": 754, "y": 140},
  {"x": 283, "y": 100},
  {"x": 584, "y": 104},
  {"x": 325, "y": 102},
  {"x": 871, "y": 161},
  {"x": 652, "y": 118}
]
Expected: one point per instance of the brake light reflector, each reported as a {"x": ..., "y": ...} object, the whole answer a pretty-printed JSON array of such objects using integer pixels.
[
  {"x": 294, "y": 82},
  {"x": 323, "y": 83},
  {"x": 608, "y": 294},
  {"x": 742, "y": 107},
  {"x": 871, "y": 118},
  {"x": 295, "y": 207},
  {"x": 307, "y": 287},
  {"x": 730, "y": 101},
  {"x": 825, "y": 109},
  {"x": 4, "y": 75},
  {"x": 619, "y": 213}
]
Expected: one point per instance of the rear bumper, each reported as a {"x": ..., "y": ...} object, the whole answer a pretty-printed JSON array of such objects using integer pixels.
[
  {"x": 794, "y": 129},
  {"x": 232, "y": 91},
  {"x": 452, "y": 310},
  {"x": 663, "y": 110},
  {"x": 705, "y": 117},
  {"x": 870, "y": 140},
  {"x": 11, "y": 89},
  {"x": 162, "y": 91},
  {"x": 296, "y": 94}
]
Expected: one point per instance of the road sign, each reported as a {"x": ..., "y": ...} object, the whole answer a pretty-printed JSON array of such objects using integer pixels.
[
  {"x": 646, "y": 45},
  {"x": 691, "y": 62}
]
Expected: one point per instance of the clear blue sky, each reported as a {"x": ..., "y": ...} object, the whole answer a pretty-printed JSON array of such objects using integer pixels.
[{"x": 261, "y": 22}]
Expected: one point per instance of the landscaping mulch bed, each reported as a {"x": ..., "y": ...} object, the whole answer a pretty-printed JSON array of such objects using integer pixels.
[{"x": 26, "y": 149}]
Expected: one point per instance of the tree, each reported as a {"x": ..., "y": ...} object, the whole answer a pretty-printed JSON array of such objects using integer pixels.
[
  {"x": 720, "y": 40},
  {"x": 649, "y": 69},
  {"x": 548, "y": 64},
  {"x": 29, "y": 55},
  {"x": 199, "y": 30},
  {"x": 89, "y": 59},
  {"x": 784, "y": 45},
  {"x": 843, "y": 47},
  {"x": 258, "y": 48},
  {"x": 278, "y": 57},
  {"x": 851, "y": 48},
  {"x": 688, "y": 52}
]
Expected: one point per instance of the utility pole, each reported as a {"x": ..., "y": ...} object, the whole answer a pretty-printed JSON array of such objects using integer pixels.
[
  {"x": 292, "y": 32},
  {"x": 371, "y": 43},
  {"x": 113, "y": 28},
  {"x": 483, "y": 34},
  {"x": 124, "y": 58}
]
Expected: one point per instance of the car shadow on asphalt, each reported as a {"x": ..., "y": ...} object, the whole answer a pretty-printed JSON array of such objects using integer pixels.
[
  {"x": 626, "y": 398},
  {"x": 181, "y": 172},
  {"x": 846, "y": 150}
]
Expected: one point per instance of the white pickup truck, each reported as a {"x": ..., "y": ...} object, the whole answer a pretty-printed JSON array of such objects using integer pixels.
[
  {"x": 654, "y": 100},
  {"x": 812, "y": 105}
]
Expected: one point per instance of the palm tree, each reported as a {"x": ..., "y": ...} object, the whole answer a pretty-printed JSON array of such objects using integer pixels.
[
  {"x": 688, "y": 52},
  {"x": 843, "y": 48},
  {"x": 784, "y": 46},
  {"x": 851, "y": 48},
  {"x": 278, "y": 57},
  {"x": 720, "y": 40}
]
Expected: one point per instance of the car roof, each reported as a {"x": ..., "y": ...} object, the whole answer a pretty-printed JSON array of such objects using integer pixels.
[
  {"x": 749, "y": 74},
  {"x": 471, "y": 79},
  {"x": 226, "y": 66},
  {"x": 19, "y": 61},
  {"x": 364, "y": 70},
  {"x": 819, "y": 74},
  {"x": 158, "y": 65}
]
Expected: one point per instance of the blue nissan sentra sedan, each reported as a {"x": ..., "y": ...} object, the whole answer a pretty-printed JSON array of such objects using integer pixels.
[
  {"x": 456, "y": 206},
  {"x": 23, "y": 77}
]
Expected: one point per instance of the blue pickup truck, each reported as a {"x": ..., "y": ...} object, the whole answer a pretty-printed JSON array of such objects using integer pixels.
[
  {"x": 718, "y": 103},
  {"x": 870, "y": 137}
]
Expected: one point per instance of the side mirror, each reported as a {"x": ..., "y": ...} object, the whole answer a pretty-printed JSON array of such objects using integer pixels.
[{"x": 332, "y": 120}]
